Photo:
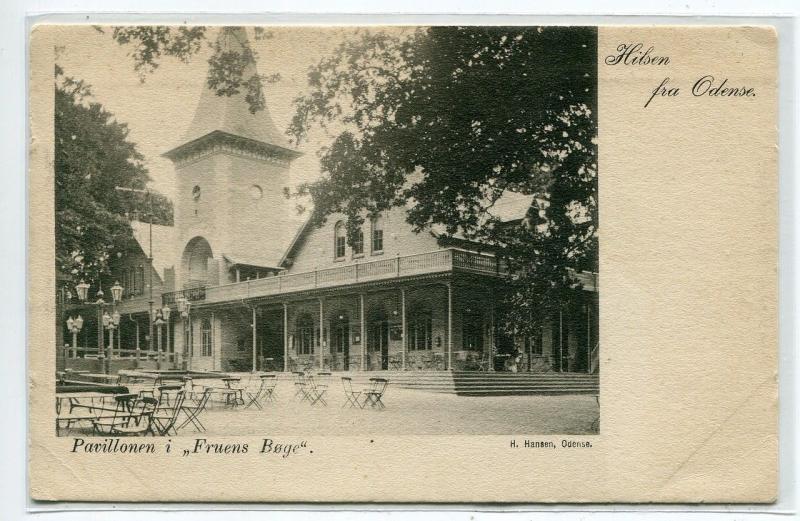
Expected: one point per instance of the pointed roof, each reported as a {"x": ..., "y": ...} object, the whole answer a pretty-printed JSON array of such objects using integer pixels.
[
  {"x": 231, "y": 115},
  {"x": 164, "y": 244}
]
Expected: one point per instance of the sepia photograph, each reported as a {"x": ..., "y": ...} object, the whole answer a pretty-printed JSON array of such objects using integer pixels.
[{"x": 327, "y": 231}]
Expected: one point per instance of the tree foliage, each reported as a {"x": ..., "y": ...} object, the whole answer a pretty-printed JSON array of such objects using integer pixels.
[
  {"x": 452, "y": 119},
  {"x": 93, "y": 156},
  {"x": 231, "y": 54}
]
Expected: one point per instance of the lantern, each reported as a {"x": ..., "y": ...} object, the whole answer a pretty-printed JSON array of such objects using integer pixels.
[
  {"x": 70, "y": 323},
  {"x": 116, "y": 292},
  {"x": 79, "y": 323},
  {"x": 83, "y": 289},
  {"x": 165, "y": 311},
  {"x": 115, "y": 317}
]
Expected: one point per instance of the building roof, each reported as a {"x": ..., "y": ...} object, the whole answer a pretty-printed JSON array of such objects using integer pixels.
[
  {"x": 165, "y": 244},
  {"x": 231, "y": 114}
]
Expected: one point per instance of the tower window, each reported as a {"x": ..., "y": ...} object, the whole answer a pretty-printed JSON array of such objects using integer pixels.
[{"x": 196, "y": 192}]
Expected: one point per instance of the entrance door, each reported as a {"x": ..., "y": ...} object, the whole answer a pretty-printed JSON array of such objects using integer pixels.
[
  {"x": 378, "y": 328},
  {"x": 270, "y": 340},
  {"x": 340, "y": 338}
]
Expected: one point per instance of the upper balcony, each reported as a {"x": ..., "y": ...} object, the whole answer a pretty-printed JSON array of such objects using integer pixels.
[{"x": 440, "y": 261}]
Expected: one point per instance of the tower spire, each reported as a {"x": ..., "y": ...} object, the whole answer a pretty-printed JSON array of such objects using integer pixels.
[{"x": 229, "y": 116}]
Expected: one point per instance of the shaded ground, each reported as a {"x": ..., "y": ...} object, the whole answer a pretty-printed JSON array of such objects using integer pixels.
[{"x": 408, "y": 412}]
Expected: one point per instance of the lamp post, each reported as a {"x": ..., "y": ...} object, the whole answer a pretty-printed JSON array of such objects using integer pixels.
[
  {"x": 184, "y": 307},
  {"x": 160, "y": 317},
  {"x": 110, "y": 322},
  {"x": 75, "y": 325}
]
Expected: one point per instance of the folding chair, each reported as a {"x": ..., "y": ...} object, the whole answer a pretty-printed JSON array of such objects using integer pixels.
[
  {"x": 263, "y": 392},
  {"x": 351, "y": 396},
  {"x": 374, "y": 394},
  {"x": 165, "y": 416},
  {"x": 193, "y": 412},
  {"x": 138, "y": 422},
  {"x": 300, "y": 386},
  {"x": 96, "y": 411},
  {"x": 317, "y": 387}
]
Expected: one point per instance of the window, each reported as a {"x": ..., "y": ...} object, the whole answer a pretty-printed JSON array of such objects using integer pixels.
[
  {"x": 339, "y": 240},
  {"x": 377, "y": 235},
  {"x": 472, "y": 330},
  {"x": 420, "y": 331},
  {"x": 533, "y": 343},
  {"x": 304, "y": 334},
  {"x": 358, "y": 244},
  {"x": 207, "y": 341},
  {"x": 138, "y": 283}
]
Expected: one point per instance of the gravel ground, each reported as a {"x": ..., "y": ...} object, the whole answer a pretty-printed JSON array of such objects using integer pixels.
[{"x": 408, "y": 412}]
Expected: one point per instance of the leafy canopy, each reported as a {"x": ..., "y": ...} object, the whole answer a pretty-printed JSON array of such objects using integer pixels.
[
  {"x": 452, "y": 120},
  {"x": 93, "y": 156}
]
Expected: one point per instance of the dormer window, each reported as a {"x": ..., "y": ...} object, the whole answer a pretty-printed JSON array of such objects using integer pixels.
[{"x": 339, "y": 240}]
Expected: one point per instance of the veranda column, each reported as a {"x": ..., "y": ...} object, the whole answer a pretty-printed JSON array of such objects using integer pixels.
[
  {"x": 254, "y": 339},
  {"x": 321, "y": 334},
  {"x": 138, "y": 348},
  {"x": 403, "y": 315},
  {"x": 363, "y": 330},
  {"x": 449, "y": 325},
  {"x": 169, "y": 342},
  {"x": 560, "y": 341},
  {"x": 491, "y": 336},
  {"x": 285, "y": 337}
]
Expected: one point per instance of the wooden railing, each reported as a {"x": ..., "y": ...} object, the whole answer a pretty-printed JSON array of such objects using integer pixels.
[
  {"x": 71, "y": 353},
  {"x": 191, "y": 294},
  {"x": 383, "y": 269}
]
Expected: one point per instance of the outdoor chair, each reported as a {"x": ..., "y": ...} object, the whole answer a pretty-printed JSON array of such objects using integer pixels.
[
  {"x": 485, "y": 362},
  {"x": 351, "y": 396},
  {"x": 263, "y": 392},
  {"x": 300, "y": 386},
  {"x": 316, "y": 388},
  {"x": 132, "y": 417},
  {"x": 98, "y": 409},
  {"x": 164, "y": 392},
  {"x": 374, "y": 394},
  {"x": 193, "y": 412},
  {"x": 139, "y": 422},
  {"x": 166, "y": 413}
]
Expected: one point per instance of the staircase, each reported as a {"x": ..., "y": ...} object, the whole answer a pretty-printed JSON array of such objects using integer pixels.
[
  {"x": 503, "y": 384},
  {"x": 471, "y": 383}
]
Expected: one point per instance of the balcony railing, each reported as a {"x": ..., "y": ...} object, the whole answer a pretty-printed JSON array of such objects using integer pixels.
[
  {"x": 439, "y": 261},
  {"x": 191, "y": 294}
]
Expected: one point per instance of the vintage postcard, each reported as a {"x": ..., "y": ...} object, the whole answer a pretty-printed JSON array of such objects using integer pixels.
[{"x": 403, "y": 264}]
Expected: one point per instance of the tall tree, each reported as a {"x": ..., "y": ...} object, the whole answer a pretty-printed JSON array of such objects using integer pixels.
[
  {"x": 93, "y": 156},
  {"x": 452, "y": 119}
]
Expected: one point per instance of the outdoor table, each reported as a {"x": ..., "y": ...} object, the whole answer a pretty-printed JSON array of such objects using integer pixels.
[{"x": 97, "y": 407}]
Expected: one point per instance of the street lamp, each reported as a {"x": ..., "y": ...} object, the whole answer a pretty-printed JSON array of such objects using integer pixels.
[
  {"x": 161, "y": 317},
  {"x": 75, "y": 325},
  {"x": 111, "y": 323},
  {"x": 184, "y": 307}
]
